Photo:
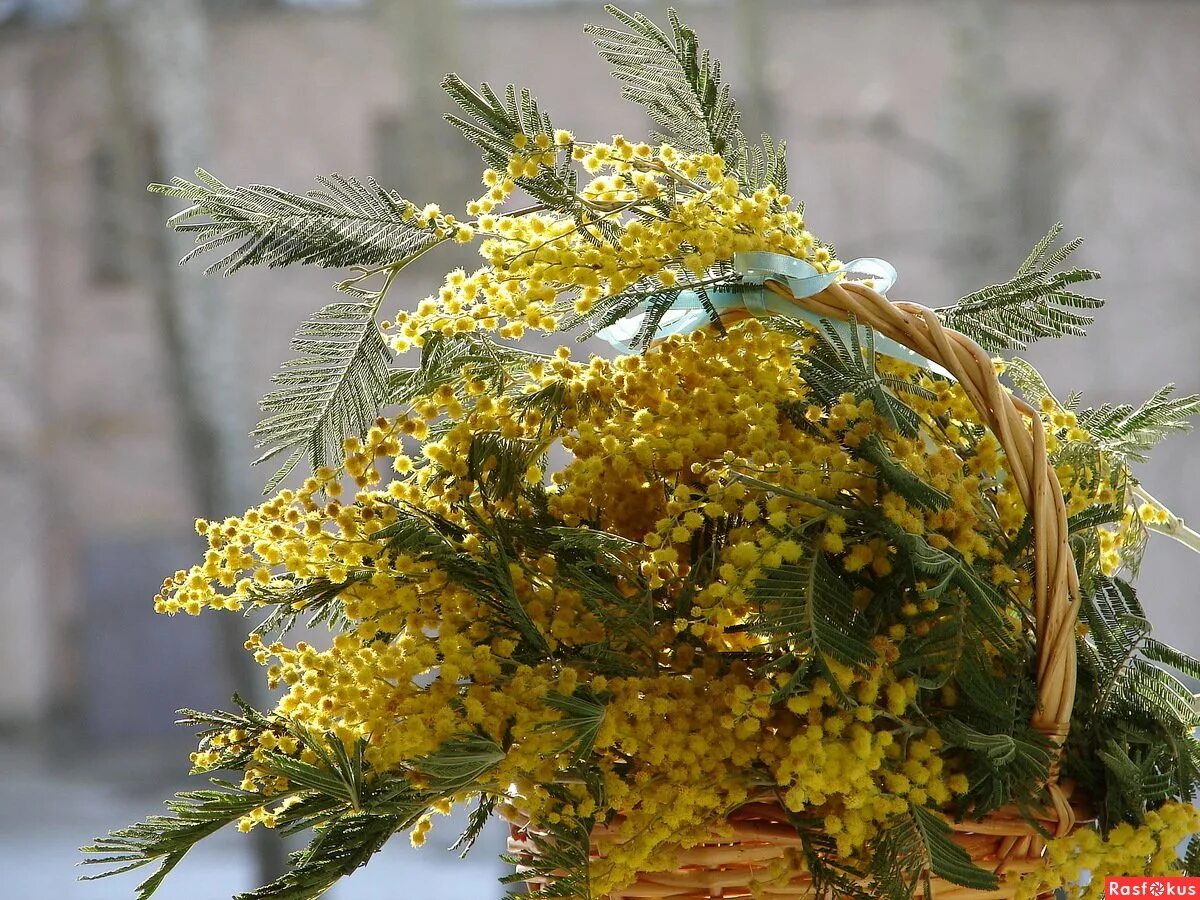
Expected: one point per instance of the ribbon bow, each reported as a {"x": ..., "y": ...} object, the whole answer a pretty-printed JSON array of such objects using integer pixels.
[{"x": 687, "y": 313}]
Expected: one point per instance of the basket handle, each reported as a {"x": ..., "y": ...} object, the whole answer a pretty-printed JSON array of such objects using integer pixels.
[{"x": 1018, "y": 428}]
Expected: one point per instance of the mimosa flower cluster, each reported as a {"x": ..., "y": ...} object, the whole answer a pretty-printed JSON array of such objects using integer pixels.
[
  {"x": 1079, "y": 863},
  {"x": 542, "y": 264},
  {"x": 711, "y": 469}
]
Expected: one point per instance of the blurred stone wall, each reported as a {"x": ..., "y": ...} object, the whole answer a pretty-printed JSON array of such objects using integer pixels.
[{"x": 26, "y": 631}]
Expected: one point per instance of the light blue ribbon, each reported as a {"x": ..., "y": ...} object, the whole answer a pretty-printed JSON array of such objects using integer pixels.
[{"x": 687, "y": 313}]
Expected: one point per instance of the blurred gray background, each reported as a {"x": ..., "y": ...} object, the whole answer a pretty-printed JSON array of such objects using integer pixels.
[{"x": 943, "y": 136}]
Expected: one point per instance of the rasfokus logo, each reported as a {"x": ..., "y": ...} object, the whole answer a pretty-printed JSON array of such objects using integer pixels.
[{"x": 1151, "y": 887}]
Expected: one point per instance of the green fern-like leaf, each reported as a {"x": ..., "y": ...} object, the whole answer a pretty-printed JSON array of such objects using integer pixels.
[
  {"x": 1134, "y": 783},
  {"x": 839, "y": 365},
  {"x": 1191, "y": 859},
  {"x": 1035, "y": 303},
  {"x": 898, "y": 478},
  {"x": 219, "y": 722},
  {"x": 459, "y": 763},
  {"x": 421, "y": 535},
  {"x": 1128, "y": 680},
  {"x": 597, "y": 565},
  {"x": 316, "y": 600},
  {"x": 1148, "y": 689},
  {"x": 335, "y": 852},
  {"x": 352, "y": 815},
  {"x": 945, "y": 569},
  {"x": 935, "y": 656},
  {"x": 476, "y": 822},
  {"x": 347, "y": 223},
  {"x": 582, "y": 716},
  {"x": 445, "y": 359},
  {"x": 831, "y": 875},
  {"x": 1117, "y": 623},
  {"x": 946, "y": 858},
  {"x": 1124, "y": 432},
  {"x": 338, "y": 773},
  {"x": 430, "y": 538},
  {"x": 342, "y": 376},
  {"x": 1003, "y": 768},
  {"x": 678, "y": 83},
  {"x": 333, "y": 390},
  {"x": 1029, "y": 382},
  {"x": 899, "y": 861},
  {"x": 167, "y": 839},
  {"x": 499, "y": 464},
  {"x": 809, "y": 609},
  {"x": 1129, "y": 432},
  {"x": 766, "y": 164},
  {"x": 1156, "y": 651},
  {"x": 492, "y": 124},
  {"x": 1117, "y": 627},
  {"x": 915, "y": 846}
]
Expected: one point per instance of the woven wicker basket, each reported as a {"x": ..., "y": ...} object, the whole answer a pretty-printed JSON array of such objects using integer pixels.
[{"x": 1004, "y": 841}]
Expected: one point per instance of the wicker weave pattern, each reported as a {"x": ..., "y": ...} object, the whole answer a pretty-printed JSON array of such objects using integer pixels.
[{"x": 1003, "y": 842}]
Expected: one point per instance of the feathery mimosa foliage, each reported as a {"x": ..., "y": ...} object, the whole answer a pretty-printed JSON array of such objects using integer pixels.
[
  {"x": 1035, "y": 303},
  {"x": 348, "y": 223},
  {"x": 773, "y": 565},
  {"x": 333, "y": 390}
]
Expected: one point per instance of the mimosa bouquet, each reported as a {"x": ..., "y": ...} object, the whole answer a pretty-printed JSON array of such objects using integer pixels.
[{"x": 795, "y": 594}]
